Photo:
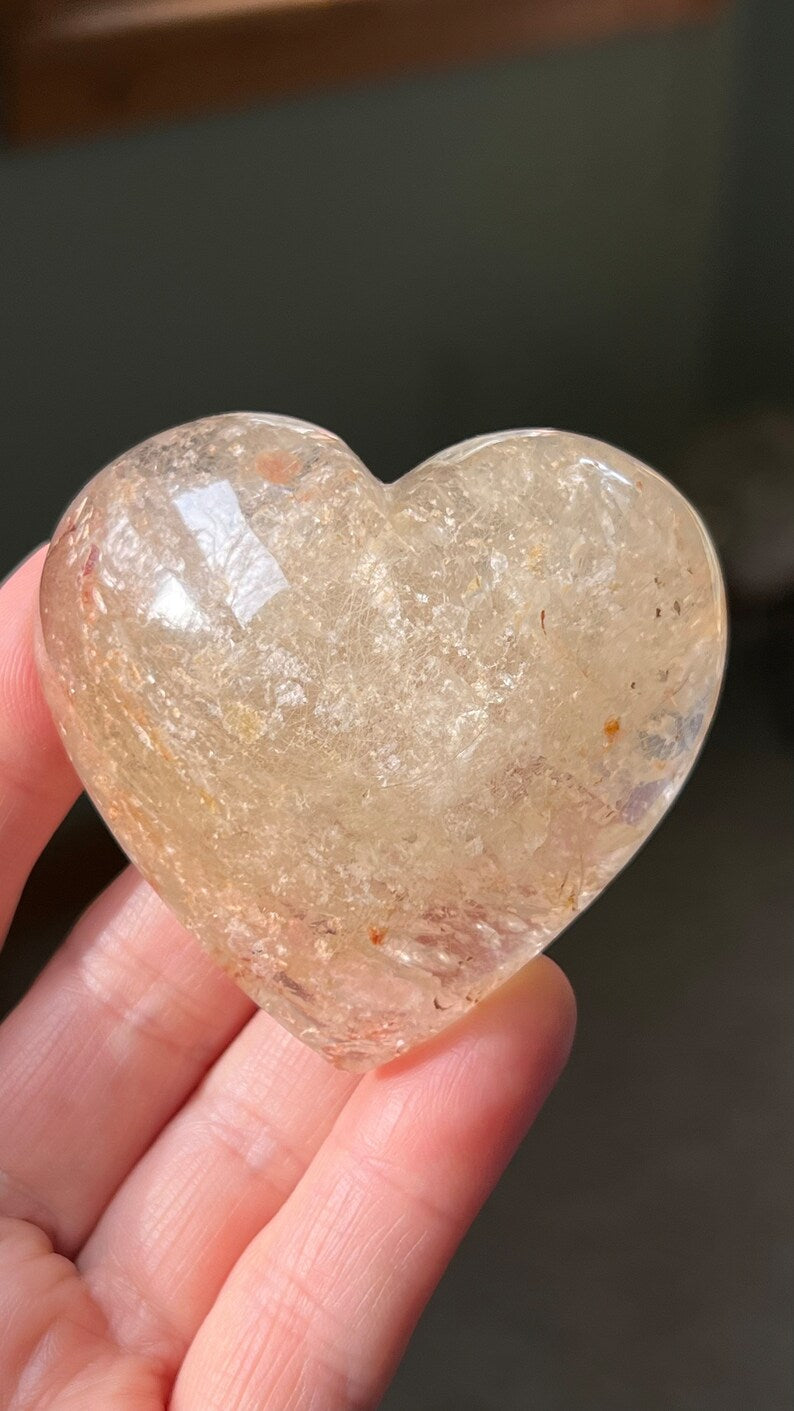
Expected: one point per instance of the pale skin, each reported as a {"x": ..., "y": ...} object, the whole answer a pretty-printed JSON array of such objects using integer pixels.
[{"x": 197, "y": 1212}]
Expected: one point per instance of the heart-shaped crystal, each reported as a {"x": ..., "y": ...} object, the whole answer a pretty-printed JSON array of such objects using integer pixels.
[{"x": 377, "y": 746}]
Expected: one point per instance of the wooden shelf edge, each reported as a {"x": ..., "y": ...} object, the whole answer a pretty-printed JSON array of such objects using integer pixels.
[{"x": 65, "y": 77}]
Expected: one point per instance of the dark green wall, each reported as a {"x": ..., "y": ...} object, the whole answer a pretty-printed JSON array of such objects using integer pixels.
[
  {"x": 409, "y": 263},
  {"x": 755, "y": 328}
]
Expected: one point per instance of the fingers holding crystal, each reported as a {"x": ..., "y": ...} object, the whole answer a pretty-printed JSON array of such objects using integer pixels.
[{"x": 318, "y": 1309}]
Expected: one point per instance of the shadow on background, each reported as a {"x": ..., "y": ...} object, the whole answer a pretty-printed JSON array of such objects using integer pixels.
[{"x": 598, "y": 239}]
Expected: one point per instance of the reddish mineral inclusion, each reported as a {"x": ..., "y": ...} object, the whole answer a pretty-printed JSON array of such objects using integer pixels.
[{"x": 377, "y": 746}]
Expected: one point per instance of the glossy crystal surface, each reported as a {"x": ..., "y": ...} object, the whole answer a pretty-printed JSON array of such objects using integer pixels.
[{"x": 377, "y": 746}]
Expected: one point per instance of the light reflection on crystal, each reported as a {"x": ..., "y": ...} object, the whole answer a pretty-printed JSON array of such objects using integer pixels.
[
  {"x": 174, "y": 606},
  {"x": 229, "y": 548}
]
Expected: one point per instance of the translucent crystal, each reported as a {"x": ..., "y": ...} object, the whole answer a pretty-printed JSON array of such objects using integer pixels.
[{"x": 377, "y": 746}]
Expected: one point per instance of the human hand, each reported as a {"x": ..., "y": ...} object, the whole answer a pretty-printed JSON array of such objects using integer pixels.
[{"x": 196, "y": 1211}]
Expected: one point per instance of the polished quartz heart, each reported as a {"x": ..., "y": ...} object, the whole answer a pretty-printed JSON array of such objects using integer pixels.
[{"x": 377, "y": 746}]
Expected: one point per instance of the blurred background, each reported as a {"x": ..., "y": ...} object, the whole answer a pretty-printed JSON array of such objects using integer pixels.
[{"x": 415, "y": 223}]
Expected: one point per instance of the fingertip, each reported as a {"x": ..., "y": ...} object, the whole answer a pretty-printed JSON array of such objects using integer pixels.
[
  {"x": 16, "y": 575},
  {"x": 547, "y": 995},
  {"x": 468, "y": 1096},
  {"x": 535, "y": 1007},
  {"x": 519, "y": 1040},
  {"x": 30, "y": 748}
]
